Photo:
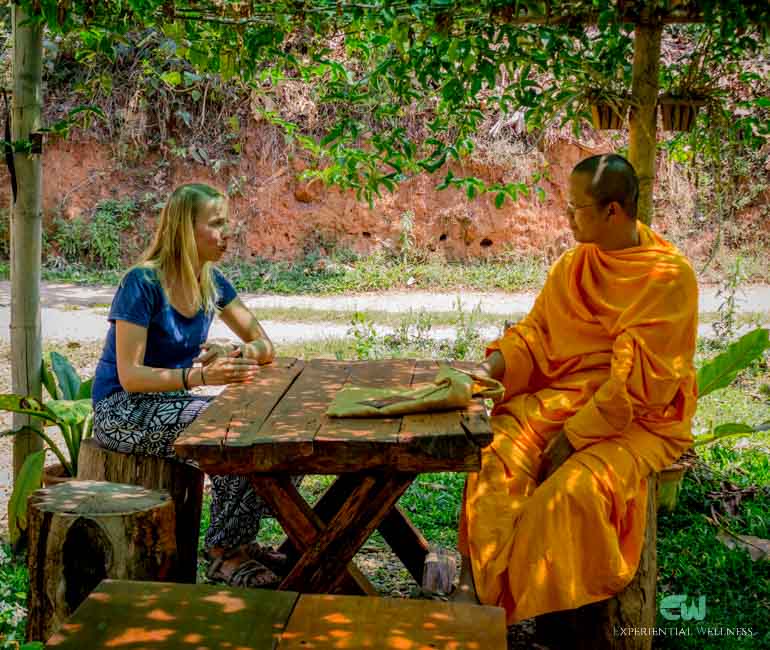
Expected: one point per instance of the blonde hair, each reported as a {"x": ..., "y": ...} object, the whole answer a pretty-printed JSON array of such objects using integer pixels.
[{"x": 173, "y": 252}]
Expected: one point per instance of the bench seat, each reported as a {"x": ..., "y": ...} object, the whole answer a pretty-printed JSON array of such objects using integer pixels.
[{"x": 163, "y": 616}]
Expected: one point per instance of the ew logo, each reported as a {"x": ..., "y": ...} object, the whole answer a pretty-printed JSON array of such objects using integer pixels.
[{"x": 676, "y": 607}]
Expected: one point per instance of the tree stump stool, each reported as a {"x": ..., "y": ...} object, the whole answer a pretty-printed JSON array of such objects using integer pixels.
[
  {"x": 598, "y": 626},
  {"x": 183, "y": 482},
  {"x": 81, "y": 532}
]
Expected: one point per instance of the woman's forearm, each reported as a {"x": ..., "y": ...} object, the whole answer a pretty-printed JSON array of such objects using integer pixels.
[
  {"x": 261, "y": 349},
  {"x": 144, "y": 379}
]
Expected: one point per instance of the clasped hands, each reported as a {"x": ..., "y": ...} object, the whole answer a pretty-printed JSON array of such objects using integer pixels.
[{"x": 229, "y": 363}]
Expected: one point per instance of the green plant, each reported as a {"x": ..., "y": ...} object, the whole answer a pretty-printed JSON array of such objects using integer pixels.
[
  {"x": 367, "y": 344},
  {"x": 724, "y": 325},
  {"x": 467, "y": 339},
  {"x": 14, "y": 585},
  {"x": 721, "y": 371},
  {"x": 717, "y": 374},
  {"x": 109, "y": 220},
  {"x": 70, "y": 410}
]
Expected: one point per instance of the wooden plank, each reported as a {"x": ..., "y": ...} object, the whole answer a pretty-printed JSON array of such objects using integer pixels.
[
  {"x": 301, "y": 411},
  {"x": 223, "y": 420},
  {"x": 369, "y": 434},
  {"x": 318, "y": 570},
  {"x": 352, "y": 623},
  {"x": 440, "y": 435},
  {"x": 302, "y": 526},
  {"x": 165, "y": 616},
  {"x": 260, "y": 398}
]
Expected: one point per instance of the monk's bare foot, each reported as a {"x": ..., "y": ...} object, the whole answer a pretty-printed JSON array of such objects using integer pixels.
[
  {"x": 465, "y": 591},
  {"x": 464, "y": 594}
]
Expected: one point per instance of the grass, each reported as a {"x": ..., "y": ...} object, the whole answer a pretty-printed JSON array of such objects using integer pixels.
[
  {"x": 376, "y": 272},
  {"x": 13, "y": 598},
  {"x": 693, "y": 561}
]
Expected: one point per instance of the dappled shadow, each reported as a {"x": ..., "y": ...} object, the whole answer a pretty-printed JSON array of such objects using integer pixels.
[{"x": 161, "y": 616}]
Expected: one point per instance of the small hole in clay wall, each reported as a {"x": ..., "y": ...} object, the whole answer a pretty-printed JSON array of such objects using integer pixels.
[
  {"x": 485, "y": 243},
  {"x": 366, "y": 234},
  {"x": 443, "y": 237}
]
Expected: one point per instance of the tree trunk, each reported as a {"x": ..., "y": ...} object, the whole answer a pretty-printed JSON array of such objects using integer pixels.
[
  {"x": 642, "y": 144},
  {"x": 26, "y": 343},
  {"x": 609, "y": 624},
  {"x": 183, "y": 482},
  {"x": 81, "y": 532}
]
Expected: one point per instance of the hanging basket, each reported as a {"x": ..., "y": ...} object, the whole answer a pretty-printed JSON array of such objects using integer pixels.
[
  {"x": 605, "y": 115},
  {"x": 679, "y": 113}
]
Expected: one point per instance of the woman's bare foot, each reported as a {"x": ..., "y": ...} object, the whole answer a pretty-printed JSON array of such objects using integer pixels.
[{"x": 466, "y": 590}]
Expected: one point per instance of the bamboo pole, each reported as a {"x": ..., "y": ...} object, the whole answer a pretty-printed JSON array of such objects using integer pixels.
[
  {"x": 642, "y": 121},
  {"x": 26, "y": 340}
]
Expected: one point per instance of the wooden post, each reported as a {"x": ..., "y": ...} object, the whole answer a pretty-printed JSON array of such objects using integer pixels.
[
  {"x": 26, "y": 339},
  {"x": 81, "y": 532},
  {"x": 642, "y": 145}
]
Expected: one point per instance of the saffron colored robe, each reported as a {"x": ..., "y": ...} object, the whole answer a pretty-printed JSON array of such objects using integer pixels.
[{"x": 606, "y": 355}]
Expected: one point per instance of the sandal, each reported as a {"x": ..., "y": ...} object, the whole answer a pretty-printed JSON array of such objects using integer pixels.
[
  {"x": 250, "y": 573},
  {"x": 274, "y": 560}
]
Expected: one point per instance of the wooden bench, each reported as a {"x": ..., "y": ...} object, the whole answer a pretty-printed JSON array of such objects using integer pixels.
[
  {"x": 163, "y": 616},
  {"x": 182, "y": 481},
  {"x": 81, "y": 532}
]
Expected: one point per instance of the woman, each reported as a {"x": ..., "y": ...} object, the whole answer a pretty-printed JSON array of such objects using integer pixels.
[{"x": 159, "y": 322}]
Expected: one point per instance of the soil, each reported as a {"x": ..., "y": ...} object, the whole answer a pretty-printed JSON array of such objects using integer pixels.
[{"x": 281, "y": 217}]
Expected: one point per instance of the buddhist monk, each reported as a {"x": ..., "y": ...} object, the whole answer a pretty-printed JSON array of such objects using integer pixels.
[{"x": 600, "y": 385}]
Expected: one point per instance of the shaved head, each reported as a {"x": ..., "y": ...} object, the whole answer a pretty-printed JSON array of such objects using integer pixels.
[{"x": 612, "y": 178}]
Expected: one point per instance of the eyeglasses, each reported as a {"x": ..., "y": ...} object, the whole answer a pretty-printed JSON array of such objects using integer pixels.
[{"x": 571, "y": 207}]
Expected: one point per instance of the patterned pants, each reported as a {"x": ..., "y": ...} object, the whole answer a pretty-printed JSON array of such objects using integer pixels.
[{"x": 149, "y": 423}]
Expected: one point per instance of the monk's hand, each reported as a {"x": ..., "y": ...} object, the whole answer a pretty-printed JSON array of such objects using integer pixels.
[
  {"x": 211, "y": 351},
  {"x": 556, "y": 452}
]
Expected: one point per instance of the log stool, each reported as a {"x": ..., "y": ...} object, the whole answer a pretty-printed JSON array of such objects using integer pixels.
[
  {"x": 81, "y": 532},
  {"x": 183, "y": 482},
  {"x": 597, "y": 626}
]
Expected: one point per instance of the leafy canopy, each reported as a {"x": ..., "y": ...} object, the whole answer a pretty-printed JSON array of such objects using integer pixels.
[{"x": 447, "y": 60}]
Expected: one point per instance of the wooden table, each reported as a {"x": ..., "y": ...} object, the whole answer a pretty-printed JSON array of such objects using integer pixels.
[
  {"x": 276, "y": 426},
  {"x": 164, "y": 616}
]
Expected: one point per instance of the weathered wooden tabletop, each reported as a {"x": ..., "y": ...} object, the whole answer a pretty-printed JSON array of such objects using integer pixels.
[{"x": 277, "y": 423}]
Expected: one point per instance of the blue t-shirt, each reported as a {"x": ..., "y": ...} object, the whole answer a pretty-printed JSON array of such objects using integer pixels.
[{"x": 173, "y": 340}]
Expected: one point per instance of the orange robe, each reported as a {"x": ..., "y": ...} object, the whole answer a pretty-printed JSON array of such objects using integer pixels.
[{"x": 606, "y": 355}]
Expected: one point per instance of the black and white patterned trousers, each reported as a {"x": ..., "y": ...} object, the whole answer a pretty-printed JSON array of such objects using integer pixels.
[{"x": 149, "y": 423}]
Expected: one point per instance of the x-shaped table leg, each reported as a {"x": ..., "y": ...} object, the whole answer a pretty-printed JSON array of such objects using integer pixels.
[
  {"x": 326, "y": 548},
  {"x": 398, "y": 531}
]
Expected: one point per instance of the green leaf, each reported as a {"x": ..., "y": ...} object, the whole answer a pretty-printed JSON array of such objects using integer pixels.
[
  {"x": 172, "y": 78},
  {"x": 722, "y": 369},
  {"x": 25, "y": 406},
  {"x": 65, "y": 373},
  {"x": 48, "y": 380},
  {"x": 725, "y": 430},
  {"x": 71, "y": 412},
  {"x": 30, "y": 478},
  {"x": 84, "y": 392},
  {"x": 499, "y": 200}
]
